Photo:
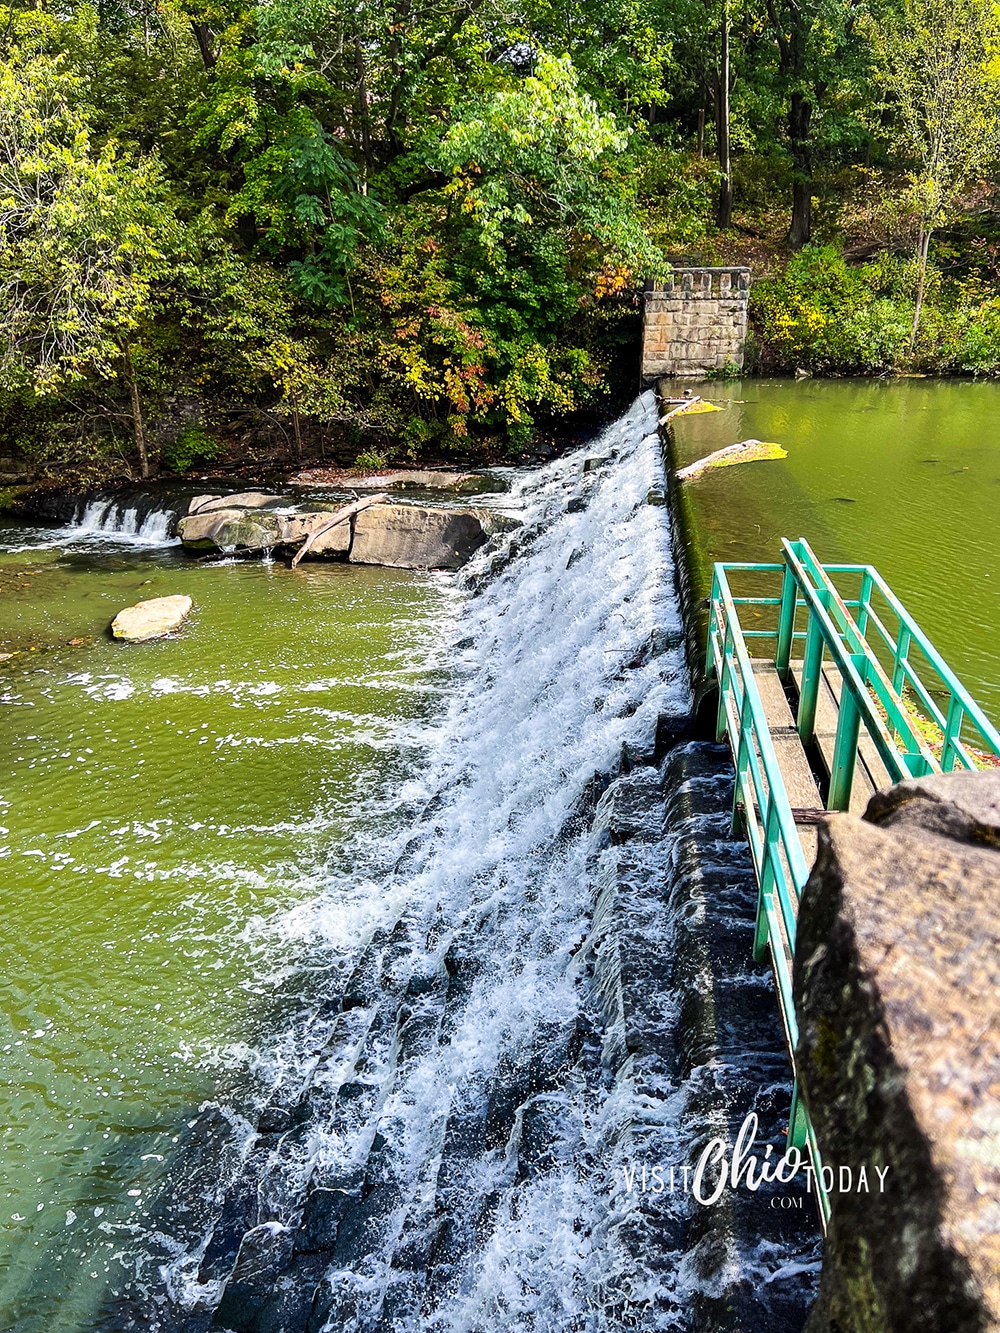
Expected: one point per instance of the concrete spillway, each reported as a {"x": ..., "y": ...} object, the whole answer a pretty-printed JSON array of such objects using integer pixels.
[{"x": 550, "y": 1000}]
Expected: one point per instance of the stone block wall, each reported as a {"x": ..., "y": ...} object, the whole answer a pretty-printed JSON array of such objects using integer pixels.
[{"x": 695, "y": 322}]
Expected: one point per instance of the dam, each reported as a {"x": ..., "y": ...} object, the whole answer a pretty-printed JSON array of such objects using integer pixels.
[{"x": 466, "y": 1019}]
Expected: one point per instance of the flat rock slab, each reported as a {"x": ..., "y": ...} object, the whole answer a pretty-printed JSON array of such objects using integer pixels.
[
  {"x": 150, "y": 620},
  {"x": 429, "y": 479},
  {"x": 409, "y": 537},
  {"x": 331, "y": 541},
  {"x": 205, "y": 504}
]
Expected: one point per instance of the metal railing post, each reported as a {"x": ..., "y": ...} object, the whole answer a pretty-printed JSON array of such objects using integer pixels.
[
  {"x": 899, "y": 657},
  {"x": 741, "y": 764},
  {"x": 864, "y": 602},
  {"x": 798, "y": 1119},
  {"x": 812, "y": 672},
  {"x": 952, "y": 731},
  {"x": 845, "y": 745},
  {"x": 786, "y": 623}
]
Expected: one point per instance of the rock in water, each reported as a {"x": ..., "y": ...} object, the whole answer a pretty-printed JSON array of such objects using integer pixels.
[
  {"x": 150, "y": 620},
  {"x": 409, "y": 537},
  {"x": 230, "y": 529},
  {"x": 331, "y": 541},
  {"x": 206, "y": 504}
]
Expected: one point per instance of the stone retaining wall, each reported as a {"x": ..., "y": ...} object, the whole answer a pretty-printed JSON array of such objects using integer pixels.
[{"x": 695, "y": 322}]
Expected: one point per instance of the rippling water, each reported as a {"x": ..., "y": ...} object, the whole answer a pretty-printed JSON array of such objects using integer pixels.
[
  {"x": 901, "y": 474},
  {"x": 163, "y": 809}
]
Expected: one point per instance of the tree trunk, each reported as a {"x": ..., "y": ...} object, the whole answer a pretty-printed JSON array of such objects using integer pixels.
[
  {"x": 205, "y": 38},
  {"x": 364, "y": 111},
  {"x": 724, "y": 209},
  {"x": 297, "y": 434},
  {"x": 137, "y": 423},
  {"x": 923, "y": 250},
  {"x": 701, "y": 130},
  {"x": 799, "y": 116}
]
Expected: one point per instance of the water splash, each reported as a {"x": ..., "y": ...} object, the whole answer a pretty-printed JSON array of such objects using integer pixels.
[
  {"x": 452, "y": 1162},
  {"x": 120, "y": 522}
]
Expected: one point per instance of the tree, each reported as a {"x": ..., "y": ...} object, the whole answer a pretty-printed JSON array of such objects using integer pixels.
[
  {"x": 939, "y": 66},
  {"x": 83, "y": 236},
  {"x": 821, "y": 50}
]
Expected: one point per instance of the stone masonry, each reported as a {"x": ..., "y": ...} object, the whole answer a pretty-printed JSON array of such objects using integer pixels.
[{"x": 695, "y": 322}]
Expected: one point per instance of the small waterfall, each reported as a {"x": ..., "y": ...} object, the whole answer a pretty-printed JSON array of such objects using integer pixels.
[
  {"x": 141, "y": 523},
  {"x": 539, "y": 1001}
]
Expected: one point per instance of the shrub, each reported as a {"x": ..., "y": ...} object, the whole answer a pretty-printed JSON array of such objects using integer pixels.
[
  {"x": 370, "y": 460},
  {"x": 191, "y": 447}
]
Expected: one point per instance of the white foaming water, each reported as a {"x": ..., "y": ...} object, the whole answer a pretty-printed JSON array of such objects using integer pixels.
[
  {"x": 489, "y": 903},
  {"x": 108, "y": 518}
]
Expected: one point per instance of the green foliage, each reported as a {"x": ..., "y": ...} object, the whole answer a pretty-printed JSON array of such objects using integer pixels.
[
  {"x": 83, "y": 235},
  {"x": 824, "y": 314},
  {"x": 191, "y": 447},
  {"x": 399, "y": 230},
  {"x": 370, "y": 460}
]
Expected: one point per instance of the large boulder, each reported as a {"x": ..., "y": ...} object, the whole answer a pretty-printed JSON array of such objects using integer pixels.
[
  {"x": 231, "y": 530},
  {"x": 897, "y": 989},
  {"x": 330, "y": 542},
  {"x": 151, "y": 619},
  {"x": 411, "y": 537},
  {"x": 206, "y": 504}
]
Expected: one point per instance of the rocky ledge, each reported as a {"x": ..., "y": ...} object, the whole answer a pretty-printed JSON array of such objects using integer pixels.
[
  {"x": 370, "y": 532},
  {"x": 897, "y": 988}
]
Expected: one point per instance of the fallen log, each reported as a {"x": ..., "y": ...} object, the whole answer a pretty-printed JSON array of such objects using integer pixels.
[
  {"x": 745, "y": 451},
  {"x": 341, "y": 516},
  {"x": 687, "y": 407}
]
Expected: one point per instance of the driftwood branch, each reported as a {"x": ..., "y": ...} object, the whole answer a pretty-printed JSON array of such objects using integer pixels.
[
  {"x": 341, "y": 516},
  {"x": 746, "y": 451},
  {"x": 680, "y": 405}
]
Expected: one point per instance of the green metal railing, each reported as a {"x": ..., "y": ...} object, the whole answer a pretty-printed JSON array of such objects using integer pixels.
[{"x": 893, "y": 684}]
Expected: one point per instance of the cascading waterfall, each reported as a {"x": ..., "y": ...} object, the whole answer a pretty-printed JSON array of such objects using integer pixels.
[
  {"x": 116, "y": 519},
  {"x": 485, "y": 1065}
]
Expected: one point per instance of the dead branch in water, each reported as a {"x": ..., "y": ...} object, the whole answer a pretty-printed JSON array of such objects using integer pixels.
[
  {"x": 746, "y": 451},
  {"x": 341, "y": 516}
]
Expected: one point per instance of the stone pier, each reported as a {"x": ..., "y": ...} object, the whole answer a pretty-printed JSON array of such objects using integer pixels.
[{"x": 695, "y": 322}]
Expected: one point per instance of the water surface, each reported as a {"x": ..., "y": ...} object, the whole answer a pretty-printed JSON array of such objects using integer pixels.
[
  {"x": 165, "y": 811},
  {"x": 901, "y": 474}
]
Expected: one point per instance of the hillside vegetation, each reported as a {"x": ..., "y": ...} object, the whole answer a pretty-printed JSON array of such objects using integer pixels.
[{"x": 236, "y": 233}]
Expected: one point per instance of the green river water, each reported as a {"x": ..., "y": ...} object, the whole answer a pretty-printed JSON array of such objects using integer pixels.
[
  {"x": 168, "y": 812},
  {"x": 902, "y": 474}
]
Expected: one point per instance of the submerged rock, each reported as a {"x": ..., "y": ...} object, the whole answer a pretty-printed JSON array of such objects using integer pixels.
[
  {"x": 150, "y": 620},
  {"x": 410, "y": 537},
  {"x": 897, "y": 973}
]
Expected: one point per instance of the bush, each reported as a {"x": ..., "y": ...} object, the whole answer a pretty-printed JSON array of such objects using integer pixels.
[
  {"x": 370, "y": 460},
  {"x": 191, "y": 447},
  {"x": 823, "y": 314}
]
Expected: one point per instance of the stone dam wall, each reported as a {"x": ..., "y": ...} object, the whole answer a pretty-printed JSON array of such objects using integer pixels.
[{"x": 695, "y": 323}]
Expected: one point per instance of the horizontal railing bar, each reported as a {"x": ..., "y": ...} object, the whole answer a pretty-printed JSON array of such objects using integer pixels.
[
  {"x": 834, "y": 641},
  {"x": 728, "y": 565}
]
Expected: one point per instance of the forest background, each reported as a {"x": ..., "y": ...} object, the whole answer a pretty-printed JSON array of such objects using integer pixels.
[{"x": 237, "y": 233}]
